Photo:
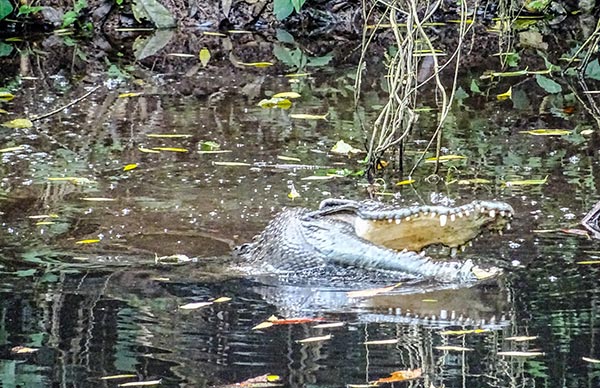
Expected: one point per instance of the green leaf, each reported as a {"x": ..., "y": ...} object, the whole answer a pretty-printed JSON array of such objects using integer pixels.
[
  {"x": 26, "y": 10},
  {"x": 145, "y": 47},
  {"x": 69, "y": 18},
  {"x": 283, "y": 36},
  {"x": 5, "y": 49},
  {"x": 474, "y": 87},
  {"x": 282, "y": 8},
  {"x": 548, "y": 84},
  {"x": 5, "y": 8},
  {"x": 460, "y": 94},
  {"x": 298, "y": 4},
  {"x": 319, "y": 61},
  {"x": 153, "y": 11},
  {"x": 79, "y": 6},
  {"x": 592, "y": 70}
]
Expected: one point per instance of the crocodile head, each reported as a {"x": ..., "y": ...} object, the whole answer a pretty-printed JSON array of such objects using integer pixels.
[{"x": 416, "y": 227}]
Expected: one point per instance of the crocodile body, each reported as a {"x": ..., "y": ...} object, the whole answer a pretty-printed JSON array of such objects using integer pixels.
[{"x": 374, "y": 237}]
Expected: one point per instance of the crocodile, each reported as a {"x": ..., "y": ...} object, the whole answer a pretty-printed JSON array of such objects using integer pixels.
[{"x": 375, "y": 237}]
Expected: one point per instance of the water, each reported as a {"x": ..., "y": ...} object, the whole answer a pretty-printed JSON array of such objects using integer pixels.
[{"x": 93, "y": 309}]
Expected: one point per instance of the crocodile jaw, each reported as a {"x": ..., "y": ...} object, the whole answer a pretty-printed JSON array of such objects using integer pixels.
[{"x": 429, "y": 225}]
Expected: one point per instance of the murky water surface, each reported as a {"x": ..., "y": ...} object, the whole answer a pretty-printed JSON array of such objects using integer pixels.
[{"x": 80, "y": 281}]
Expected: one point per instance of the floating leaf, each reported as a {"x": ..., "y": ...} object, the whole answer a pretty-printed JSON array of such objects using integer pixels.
[
  {"x": 222, "y": 299},
  {"x": 547, "y": 132},
  {"x": 193, "y": 306},
  {"x": 343, "y": 148},
  {"x": 576, "y": 232},
  {"x": 37, "y": 217},
  {"x": 293, "y": 321},
  {"x": 293, "y": 194},
  {"x": 370, "y": 292},
  {"x": 129, "y": 167},
  {"x": 97, "y": 199},
  {"x": 314, "y": 339},
  {"x": 320, "y": 177},
  {"x": 520, "y": 354},
  {"x": 521, "y": 338},
  {"x": 115, "y": 377},
  {"x": 474, "y": 181},
  {"x": 548, "y": 84},
  {"x": 461, "y": 332},
  {"x": 153, "y": 11},
  {"x": 209, "y": 146},
  {"x": 291, "y": 95},
  {"x": 141, "y": 383},
  {"x": 265, "y": 381},
  {"x": 445, "y": 158},
  {"x": 169, "y": 135},
  {"x": 306, "y": 116},
  {"x": 382, "y": 342},
  {"x": 256, "y": 64},
  {"x": 172, "y": 259},
  {"x": 232, "y": 164},
  {"x": 127, "y": 95},
  {"x": 6, "y": 96},
  {"x": 180, "y": 55},
  {"x": 170, "y": 149},
  {"x": 72, "y": 179},
  {"x": 588, "y": 262},
  {"x": 298, "y": 75},
  {"x": 275, "y": 102},
  {"x": 18, "y": 124},
  {"x": 504, "y": 96},
  {"x": 592, "y": 360},
  {"x": 204, "y": 56},
  {"x": 88, "y": 241},
  {"x": 212, "y": 33},
  {"x": 401, "y": 375},
  {"x": 527, "y": 182},
  {"x": 11, "y": 149},
  {"x": 41, "y": 223},
  {"x": 449, "y": 348},
  {"x": 405, "y": 182}
]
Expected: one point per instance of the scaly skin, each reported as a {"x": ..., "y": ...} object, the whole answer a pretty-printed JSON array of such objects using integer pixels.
[{"x": 369, "y": 235}]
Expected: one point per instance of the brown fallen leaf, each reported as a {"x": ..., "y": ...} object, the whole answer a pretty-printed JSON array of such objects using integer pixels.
[
  {"x": 401, "y": 375},
  {"x": 23, "y": 350}
]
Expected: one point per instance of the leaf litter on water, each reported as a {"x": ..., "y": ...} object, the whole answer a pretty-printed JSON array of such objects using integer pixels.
[
  {"x": 141, "y": 383},
  {"x": 256, "y": 64},
  {"x": 382, "y": 342},
  {"x": 169, "y": 135},
  {"x": 449, "y": 348},
  {"x": 401, "y": 375},
  {"x": 288, "y": 95},
  {"x": 18, "y": 124},
  {"x": 129, "y": 95},
  {"x": 275, "y": 102},
  {"x": 306, "y": 116},
  {"x": 520, "y": 354},
  {"x": 547, "y": 132},
  {"x": 315, "y": 339},
  {"x": 116, "y": 377},
  {"x": 232, "y": 164},
  {"x": 527, "y": 182}
]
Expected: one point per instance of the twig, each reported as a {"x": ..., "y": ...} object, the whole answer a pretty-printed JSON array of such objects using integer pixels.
[{"x": 35, "y": 118}]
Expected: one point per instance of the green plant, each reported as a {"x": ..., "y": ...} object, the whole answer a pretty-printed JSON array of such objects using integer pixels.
[
  {"x": 5, "y": 8},
  {"x": 72, "y": 16},
  {"x": 284, "y": 8}
]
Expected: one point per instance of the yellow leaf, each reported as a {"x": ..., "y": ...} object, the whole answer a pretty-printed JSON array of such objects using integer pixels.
[
  {"x": 23, "y": 349},
  {"x": 129, "y": 167},
  {"x": 520, "y": 338},
  {"x": 504, "y": 96},
  {"x": 43, "y": 216},
  {"x": 370, "y": 292},
  {"x": 3, "y": 111},
  {"x": 382, "y": 342},
  {"x": 193, "y": 306},
  {"x": 445, "y": 158},
  {"x": 171, "y": 149},
  {"x": 211, "y": 33},
  {"x": 293, "y": 194},
  {"x": 520, "y": 354},
  {"x": 453, "y": 348},
  {"x": 114, "y": 377},
  {"x": 169, "y": 135},
  {"x": 275, "y": 102},
  {"x": 11, "y": 149},
  {"x": 298, "y": 75},
  {"x": 256, "y": 64},
  {"x": 291, "y": 95},
  {"x": 140, "y": 383},
  {"x": 461, "y": 332},
  {"x": 41, "y": 223},
  {"x": 341, "y": 147},
  {"x": 306, "y": 116},
  {"x": 587, "y": 262},
  {"x": 547, "y": 132},
  {"x": 88, "y": 241},
  {"x": 204, "y": 56},
  {"x": 6, "y": 96},
  {"x": 405, "y": 182},
  {"x": 232, "y": 164},
  {"x": 262, "y": 325},
  {"x": 222, "y": 299},
  {"x": 18, "y": 123},
  {"x": 314, "y": 339},
  {"x": 97, "y": 199},
  {"x": 527, "y": 182},
  {"x": 127, "y": 95},
  {"x": 474, "y": 181},
  {"x": 147, "y": 150}
]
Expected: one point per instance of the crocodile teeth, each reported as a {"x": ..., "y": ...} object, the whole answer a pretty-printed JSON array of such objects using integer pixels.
[
  {"x": 433, "y": 215},
  {"x": 398, "y": 220},
  {"x": 463, "y": 248},
  {"x": 507, "y": 226},
  {"x": 407, "y": 219},
  {"x": 453, "y": 252},
  {"x": 467, "y": 213},
  {"x": 452, "y": 217},
  {"x": 460, "y": 215},
  {"x": 391, "y": 220},
  {"x": 443, "y": 220},
  {"x": 500, "y": 232},
  {"x": 502, "y": 213},
  {"x": 492, "y": 213}
]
